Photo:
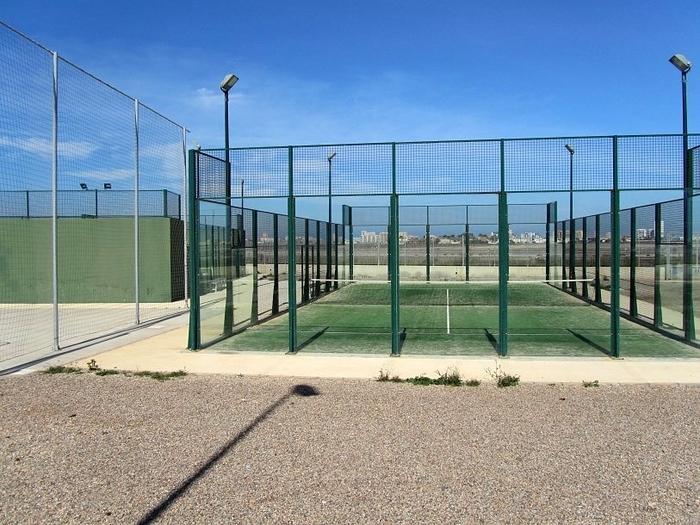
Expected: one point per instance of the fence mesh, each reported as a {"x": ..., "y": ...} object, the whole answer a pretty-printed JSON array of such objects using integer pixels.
[
  {"x": 92, "y": 221},
  {"x": 495, "y": 212}
]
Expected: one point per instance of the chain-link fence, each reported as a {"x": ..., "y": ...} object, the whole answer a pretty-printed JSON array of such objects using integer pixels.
[{"x": 92, "y": 222}]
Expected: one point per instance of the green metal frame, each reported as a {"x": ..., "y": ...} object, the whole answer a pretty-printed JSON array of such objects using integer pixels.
[{"x": 563, "y": 232}]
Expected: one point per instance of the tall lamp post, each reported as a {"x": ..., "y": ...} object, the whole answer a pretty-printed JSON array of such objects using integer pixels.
[
  {"x": 684, "y": 65},
  {"x": 570, "y": 149},
  {"x": 572, "y": 233},
  {"x": 226, "y": 84},
  {"x": 329, "y": 228}
]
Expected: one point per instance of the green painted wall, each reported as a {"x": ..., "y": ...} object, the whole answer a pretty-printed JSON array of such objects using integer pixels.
[{"x": 95, "y": 260}]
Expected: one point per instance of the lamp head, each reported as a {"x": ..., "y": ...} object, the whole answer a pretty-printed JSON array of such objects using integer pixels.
[
  {"x": 332, "y": 156},
  {"x": 228, "y": 82},
  {"x": 83, "y": 186},
  {"x": 682, "y": 63},
  {"x": 570, "y": 148},
  {"x": 108, "y": 185}
]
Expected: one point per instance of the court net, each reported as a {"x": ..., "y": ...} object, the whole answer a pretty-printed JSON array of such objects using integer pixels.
[{"x": 456, "y": 294}]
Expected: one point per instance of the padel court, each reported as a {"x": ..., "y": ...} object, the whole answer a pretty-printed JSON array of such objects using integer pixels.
[{"x": 454, "y": 319}]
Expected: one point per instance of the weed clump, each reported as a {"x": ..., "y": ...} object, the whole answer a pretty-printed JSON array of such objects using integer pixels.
[
  {"x": 161, "y": 376},
  {"x": 450, "y": 377},
  {"x": 384, "y": 377},
  {"x": 502, "y": 378},
  {"x": 61, "y": 369}
]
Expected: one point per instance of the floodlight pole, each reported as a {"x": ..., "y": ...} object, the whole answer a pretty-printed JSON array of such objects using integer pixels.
[
  {"x": 684, "y": 65},
  {"x": 226, "y": 84},
  {"x": 572, "y": 232},
  {"x": 570, "y": 149},
  {"x": 330, "y": 224}
]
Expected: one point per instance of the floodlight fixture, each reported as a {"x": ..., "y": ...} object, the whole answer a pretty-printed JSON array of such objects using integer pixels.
[
  {"x": 228, "y": 82},
  {"x": 570, "y": 148},
  {"x": 108, "y": 185},
  {"x": 682, "y": 63},
  {"x": 332, "y": 156},
  {"x": 83, "y": 186}
]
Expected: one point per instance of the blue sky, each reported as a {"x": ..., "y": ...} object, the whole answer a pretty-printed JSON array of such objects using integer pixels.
[{"x": 332, "y": 72}]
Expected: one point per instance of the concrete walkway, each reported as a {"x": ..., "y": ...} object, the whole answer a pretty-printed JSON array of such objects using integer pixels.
[{"x": 166, "y": 351}]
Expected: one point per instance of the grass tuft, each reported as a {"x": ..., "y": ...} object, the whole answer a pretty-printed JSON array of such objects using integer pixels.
[
  {"x": 61, "y": 369},
  {"x": 590, "y": 384},
  {"x": 161, "y": 376},
  {"x": 108, "y": 372},
  {"x": 451, "y": 377},
  {"x": 502, "y": 378},
  {"x": 384, "y": 377}
]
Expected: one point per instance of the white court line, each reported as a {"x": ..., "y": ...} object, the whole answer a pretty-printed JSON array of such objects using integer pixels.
[{"x": 448, "y": 310}]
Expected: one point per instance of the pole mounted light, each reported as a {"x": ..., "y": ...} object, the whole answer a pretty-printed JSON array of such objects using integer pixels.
[
  {"x": 226, "y": 84},
  {"x": 330, "y": 223},
  {"x": 683, "y": 65},
  {"x": 571, "y": 150},
  {"x": 572, "y": 232}
]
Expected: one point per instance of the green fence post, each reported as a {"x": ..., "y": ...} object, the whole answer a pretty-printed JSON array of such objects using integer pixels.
[
  {"x": 427, "y": 252},
  {"x": 305, "y": 295},
  {"x": 503, "y": 262},
  {"x": 466, "y": 252},
  {"x": 615, "y": 258},
  {"x": 336, "y": 237},
  {"x": 658, "y": 312},
  {"x": 598, "y": 292},
  {"x": 584, "y": 258},
  {"x": 548, "y": 242},
  {"x": 394, "y": 260},
  {"x": 633, "y": 262},
  {"x": 317, "y": 284},
  {"x": 194, "y": 339},
  {"x": 275, "y": 265},
  {"x": 254, "y": 247},
  {"x": 503, "y": 273},
  {"x": 564, "y": 264},
  {"x": 351, "y": 241},
  {"x": 688, "y": 310},
  {"x": 572, "y": 256},
  {"x": 292, "y": 258}
]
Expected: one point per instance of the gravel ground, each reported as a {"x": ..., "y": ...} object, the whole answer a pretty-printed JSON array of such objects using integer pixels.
[{"x": 227, "y": 449}]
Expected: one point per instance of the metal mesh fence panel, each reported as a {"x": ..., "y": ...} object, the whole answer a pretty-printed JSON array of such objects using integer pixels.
[
  {"x": 26, "y": 108},
  {"x": 643, "y": 235},
  {"x": 544, "y": 165},
  {"x": 161, "y": 172},
  {"x": 68, "y": 158},
  {"x": 448, "y": 167},
  {"x": 671, "y": 285}
]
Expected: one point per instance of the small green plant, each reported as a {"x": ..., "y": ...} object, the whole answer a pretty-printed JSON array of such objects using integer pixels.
[
  {"x": 421, "y": 380},
  {"x": 384, "y": 377},
  {"x": 92, "y": 365},
  {"x": 591, "y": 384},
  {"x": 451, "y": 377},
  {"x": 108, "y": 372},
  {"x": 472, "y": 382},
  {"x": 61, "y": 369},
  {"x": 161, "y": 376},
  {"x": 502, "y": 378}
]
